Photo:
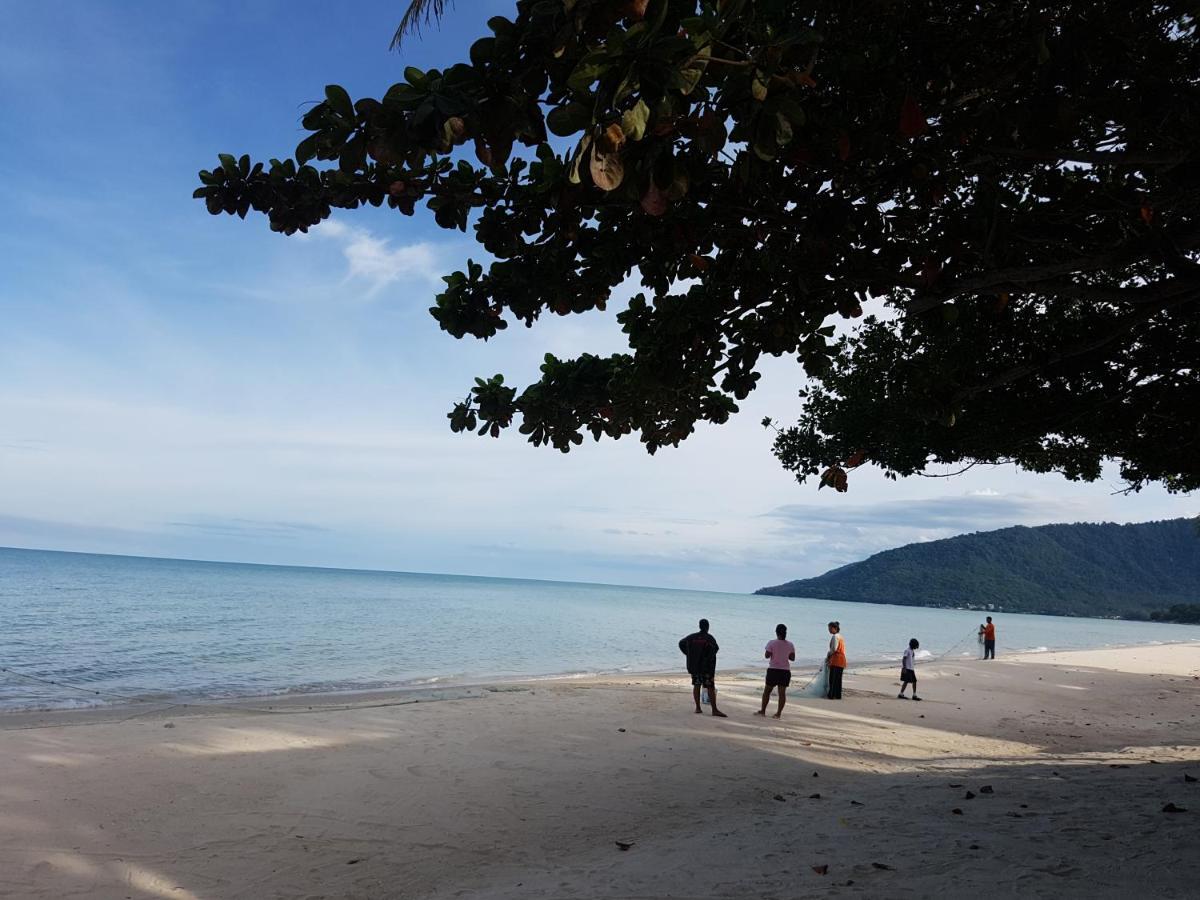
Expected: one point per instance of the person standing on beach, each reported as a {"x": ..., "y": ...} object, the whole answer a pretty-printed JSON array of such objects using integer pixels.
[
  {"x": 989, "y": 640},
  {"x": 836, "y": 660},
  {"x": 982, "y": 628},
  {"x": 780, "y": 652},
  {"x": 701, "y": 652},
  {"x": 908, "y": 670}
]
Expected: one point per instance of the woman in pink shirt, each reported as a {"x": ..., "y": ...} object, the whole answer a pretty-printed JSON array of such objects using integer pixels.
[{"x": 780, "y": 652}]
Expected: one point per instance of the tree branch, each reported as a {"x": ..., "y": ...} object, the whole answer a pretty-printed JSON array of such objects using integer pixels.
[
  {"x": 1156, "y": 292},
  {"x": 1094, "y": 157},
  {"x": 1025, "y": 276},
  {"x": 1125, "y": 324}
]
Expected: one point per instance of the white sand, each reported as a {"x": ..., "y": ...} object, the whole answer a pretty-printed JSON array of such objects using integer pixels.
[{"x": 523, "y": 793}]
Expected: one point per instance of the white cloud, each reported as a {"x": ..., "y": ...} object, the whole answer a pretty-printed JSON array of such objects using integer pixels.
[{"x": 375, "y": 262}]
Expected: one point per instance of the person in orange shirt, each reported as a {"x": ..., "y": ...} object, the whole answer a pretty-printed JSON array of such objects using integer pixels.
[
  {"x": 836, "y": 660},
  {"x": 989, "y": 640}
]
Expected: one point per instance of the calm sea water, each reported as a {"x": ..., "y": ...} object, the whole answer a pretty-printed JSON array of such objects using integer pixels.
[{"x": 177, "y": 629}]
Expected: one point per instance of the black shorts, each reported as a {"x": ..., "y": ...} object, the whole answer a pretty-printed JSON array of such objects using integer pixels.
[
  {"x": 704, "y": 679},
  {"x": 779, "y": 677},
  {"x": 908, "y": 676}
]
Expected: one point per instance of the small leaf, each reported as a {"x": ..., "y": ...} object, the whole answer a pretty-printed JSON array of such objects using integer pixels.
[
  {"x": 611, "y": 140},
  {"x": 607, "y": 170},
  {"x": 633, "y": 121},
  {"x": 758, "y": 87},
  {"x": 566, "y": 120},
  {"x": 573, "y": 174},
  {"x": 687, "y": 78},
  {"x": 307, "y": 148},
  {"x": 339, "y": 101},
  {"x": 591, "y": 67}
]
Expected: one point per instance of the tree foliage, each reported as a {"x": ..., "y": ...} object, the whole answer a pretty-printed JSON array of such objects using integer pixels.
[
  {"x": 1012, "y": 188},
  {"x": 1131, "y": 571}
]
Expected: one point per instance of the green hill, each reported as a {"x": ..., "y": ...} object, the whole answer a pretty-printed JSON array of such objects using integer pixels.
[{"x": 1070, "y": 570}]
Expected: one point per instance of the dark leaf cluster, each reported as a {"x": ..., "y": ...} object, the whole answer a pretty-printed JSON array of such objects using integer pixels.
[{"x": 1012, "y": 187}]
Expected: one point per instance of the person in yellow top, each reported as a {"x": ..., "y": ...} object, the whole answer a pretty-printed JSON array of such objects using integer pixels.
[
  {"x": 836, "y": 660},
  {"x": 989, "y": 640}
]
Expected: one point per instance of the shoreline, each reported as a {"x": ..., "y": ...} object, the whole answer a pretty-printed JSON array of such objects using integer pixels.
[{"x": 456, "y": 689}]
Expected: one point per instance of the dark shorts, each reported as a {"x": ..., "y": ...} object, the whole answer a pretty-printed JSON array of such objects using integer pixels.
[
  {"x": 779, "y": 677},
  {"x": 703, "y": 680},
  {"x": 908, "y": 676}
]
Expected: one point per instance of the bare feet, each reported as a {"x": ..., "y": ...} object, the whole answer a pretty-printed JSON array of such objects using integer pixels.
[
  {"x": 777, "y": 716},
  {"x": 719, "y": 714},
  {"x": 761, "y": 712},
  {"x": 699, "y": 711}
]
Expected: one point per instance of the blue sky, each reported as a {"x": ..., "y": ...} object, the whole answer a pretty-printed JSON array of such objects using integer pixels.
[{"x": 182, "y": 385}]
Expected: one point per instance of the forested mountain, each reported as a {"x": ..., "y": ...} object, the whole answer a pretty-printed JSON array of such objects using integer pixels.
[{"x": 1073, "y": 570}]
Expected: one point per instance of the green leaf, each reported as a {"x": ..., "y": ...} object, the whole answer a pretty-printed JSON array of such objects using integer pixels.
[
  {"x": 687, "y": 78},
  {"x": 339, "y": 101},
  {"x": 633, "y": 121},
  {"x": 783, "y": 129},
  {"x": 567, "y": 120},
  {"x": 594, "y": 65},
  {"x": 758, "y": 87},
  {"x": 483, "y": 50},
  {"x": 307, "y": 148},
  {"x": 573, "y": 175},
  {"x": 228, "y": 163}
]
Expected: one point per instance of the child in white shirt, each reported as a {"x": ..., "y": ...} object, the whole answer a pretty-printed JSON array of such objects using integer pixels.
[{"x": 908, "y": 670}]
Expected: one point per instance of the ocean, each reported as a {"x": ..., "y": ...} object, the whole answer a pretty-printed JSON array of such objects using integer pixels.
[{"x": 112, "y": 628}]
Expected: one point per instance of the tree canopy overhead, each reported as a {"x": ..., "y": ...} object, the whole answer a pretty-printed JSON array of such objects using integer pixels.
[{"x": 1012, "y": 189}]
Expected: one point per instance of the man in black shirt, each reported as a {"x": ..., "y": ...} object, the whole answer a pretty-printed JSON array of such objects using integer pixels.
[{"x": 701, "y": 652}]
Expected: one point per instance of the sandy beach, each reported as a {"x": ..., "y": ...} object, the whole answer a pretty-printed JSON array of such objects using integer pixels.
[{"x": 1043, "y": 775}]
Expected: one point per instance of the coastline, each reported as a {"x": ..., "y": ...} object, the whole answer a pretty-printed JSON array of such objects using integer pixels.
[
  {"x": 522, "y": 789},
  {"x": 435, "y": 688}
]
